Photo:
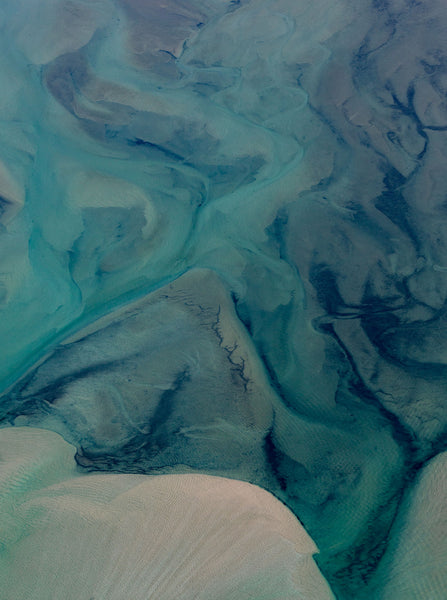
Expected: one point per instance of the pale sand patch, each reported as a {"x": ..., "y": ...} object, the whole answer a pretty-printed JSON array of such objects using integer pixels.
[
  {"x": 414, "y": 566},
  {"x": 136, "y": 537}
]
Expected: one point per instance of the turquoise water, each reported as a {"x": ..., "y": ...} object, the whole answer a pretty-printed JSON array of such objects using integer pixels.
[{"x": 223, "y": 250}]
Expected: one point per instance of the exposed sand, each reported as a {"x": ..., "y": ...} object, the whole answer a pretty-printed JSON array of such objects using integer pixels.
[{"x": 136, "y": 537}]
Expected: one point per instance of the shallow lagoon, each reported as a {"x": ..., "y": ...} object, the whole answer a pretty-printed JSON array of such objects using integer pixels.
[{"x": 223, "y": 252}]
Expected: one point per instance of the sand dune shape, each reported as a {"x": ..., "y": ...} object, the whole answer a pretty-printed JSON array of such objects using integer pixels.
[{"x": 115, "y": 537}]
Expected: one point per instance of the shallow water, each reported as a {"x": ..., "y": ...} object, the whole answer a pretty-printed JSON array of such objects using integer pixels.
[{"x": 223, "y": 250}]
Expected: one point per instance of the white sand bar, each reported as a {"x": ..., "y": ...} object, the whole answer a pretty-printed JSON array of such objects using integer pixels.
[{"x": 137, "y": 537}]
